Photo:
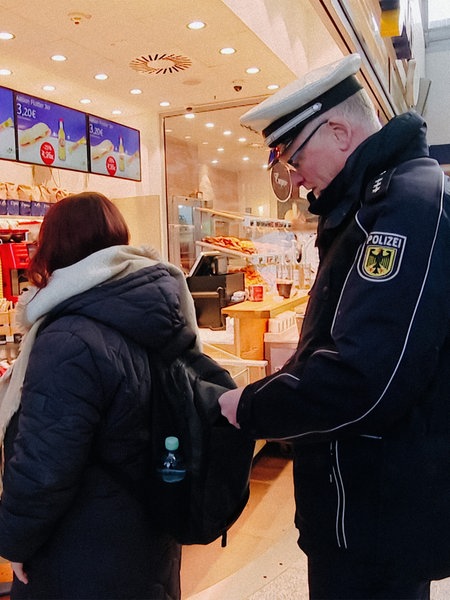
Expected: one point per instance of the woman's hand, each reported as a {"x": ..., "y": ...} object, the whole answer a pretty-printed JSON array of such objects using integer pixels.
[{"x": 19, "y": 572}]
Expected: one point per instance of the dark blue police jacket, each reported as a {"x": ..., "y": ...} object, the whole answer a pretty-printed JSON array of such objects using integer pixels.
[{"x": 373, "y": 363}]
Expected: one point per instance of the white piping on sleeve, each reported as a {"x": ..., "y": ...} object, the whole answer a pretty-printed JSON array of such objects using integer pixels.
[{"x": 405, "y": 343}]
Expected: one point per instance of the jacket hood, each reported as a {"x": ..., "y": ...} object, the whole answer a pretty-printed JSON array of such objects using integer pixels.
[{"x": 144, "y": 306}]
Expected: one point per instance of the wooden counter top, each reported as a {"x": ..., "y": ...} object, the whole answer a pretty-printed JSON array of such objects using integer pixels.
[
  {"x": 268, "y": 308},
  {"x": 251, "y": 322}
]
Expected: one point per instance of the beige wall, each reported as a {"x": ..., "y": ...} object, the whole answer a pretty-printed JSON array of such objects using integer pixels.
[{"x": 143, "y": 217}]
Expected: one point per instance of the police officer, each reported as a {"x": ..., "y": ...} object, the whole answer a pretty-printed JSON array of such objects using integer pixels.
[{"x": 365, "y": 400}]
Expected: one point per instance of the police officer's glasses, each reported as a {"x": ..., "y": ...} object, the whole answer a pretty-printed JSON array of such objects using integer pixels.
[
  {"x": 276, "y": 152},
  {"x": 294, "y": 157}
]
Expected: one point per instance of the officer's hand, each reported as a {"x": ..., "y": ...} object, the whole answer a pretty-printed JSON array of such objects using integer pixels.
[{"x": 229, "y": 403}]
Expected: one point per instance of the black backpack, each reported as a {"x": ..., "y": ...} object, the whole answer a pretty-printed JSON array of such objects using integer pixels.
[{"x": 186, "y": 386}]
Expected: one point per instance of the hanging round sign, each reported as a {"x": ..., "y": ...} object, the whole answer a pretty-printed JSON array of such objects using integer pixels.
[{"x": 281, "y": 182}]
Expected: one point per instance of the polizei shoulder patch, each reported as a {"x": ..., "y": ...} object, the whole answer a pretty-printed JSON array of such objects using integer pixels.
[{"x": 381, "y": 256}]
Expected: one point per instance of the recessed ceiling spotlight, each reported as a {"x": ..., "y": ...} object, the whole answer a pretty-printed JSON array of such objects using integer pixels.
[
  {"x": 189, "y": 116},
  {"x": 101, "y": 76},
  {"x": 5, "y": 35},
  {"x": 220, "y": 149},
  {"x": 85, "y": 101},
  {"x": 5, "y": 72},
  {"x": 273, "y": 86},
  {"x": 227, "y": 51},
  {"x": 59, "y": 57},
  {"x": 116, "y": 111},
  {"x": 209, "y": 125},
  {"x": 245, "y": 158},
  {"x": 227, "y": 132},
  {"x": 242, "y": 139},
  {"x": 49, "y": 88},
  {"x": 164, "y": 103},
  {"x": 252, "y": 70},
  {"x": 205, "y": 143},
  {"x": 215, "y": 161},
  {"x": 135, "y": 91},
  {"x": 196, "y": 25}
]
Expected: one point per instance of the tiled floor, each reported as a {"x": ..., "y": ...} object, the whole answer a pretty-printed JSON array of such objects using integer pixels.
[
  {"x": 262, "y": 560},
  {"x": 209, "y": 572}
]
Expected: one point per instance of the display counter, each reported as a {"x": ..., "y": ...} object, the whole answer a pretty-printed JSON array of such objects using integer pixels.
[{"x": 251, "y": 322}]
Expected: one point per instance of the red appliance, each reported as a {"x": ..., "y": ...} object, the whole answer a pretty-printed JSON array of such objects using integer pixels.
[{"x": 15, "y": 258}]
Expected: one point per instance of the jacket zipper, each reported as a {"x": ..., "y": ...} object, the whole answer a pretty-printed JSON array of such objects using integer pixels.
[{"x": 340, "y": 496}]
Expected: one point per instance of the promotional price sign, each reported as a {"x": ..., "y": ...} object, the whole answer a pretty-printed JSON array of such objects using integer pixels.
[
  {"x": 50, "y": 134},
  {"x": 114, "y": 149},
  {"x": 7, "y": 137}
]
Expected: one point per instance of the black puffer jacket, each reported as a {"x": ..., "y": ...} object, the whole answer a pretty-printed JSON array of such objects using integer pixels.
[
  {"x": 375, "y": 347},
  {"x": 85, "y": 404}
]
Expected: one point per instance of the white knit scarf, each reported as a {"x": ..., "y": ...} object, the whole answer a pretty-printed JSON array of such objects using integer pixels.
[{"x": 98, "y": 268}]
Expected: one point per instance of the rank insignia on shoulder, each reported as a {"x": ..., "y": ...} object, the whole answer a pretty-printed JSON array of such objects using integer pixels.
[
  {"x": 381, "y": 256},
  {"x": 378, "y": 186}
]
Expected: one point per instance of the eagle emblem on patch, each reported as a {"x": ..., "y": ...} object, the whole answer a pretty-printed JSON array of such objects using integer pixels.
[{"x": 381, "y": 256}]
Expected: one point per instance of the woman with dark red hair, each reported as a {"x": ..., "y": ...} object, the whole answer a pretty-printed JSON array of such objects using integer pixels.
[{"x": 75, "y": 408}]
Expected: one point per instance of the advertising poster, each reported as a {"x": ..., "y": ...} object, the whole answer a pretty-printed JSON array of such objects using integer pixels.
[
  {"x": 50, "y": 134},
  {"x": 7, "y": 135},
  {"x": 114, "y": 149}
]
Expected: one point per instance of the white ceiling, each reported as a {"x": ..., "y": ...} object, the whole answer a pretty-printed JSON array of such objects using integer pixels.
[
  {"x": 119, "y": 31},
  {"x": 113, "y": 33}
]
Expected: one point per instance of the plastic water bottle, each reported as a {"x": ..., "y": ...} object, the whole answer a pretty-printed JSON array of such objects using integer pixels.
[{"x": 172, "y": 468}]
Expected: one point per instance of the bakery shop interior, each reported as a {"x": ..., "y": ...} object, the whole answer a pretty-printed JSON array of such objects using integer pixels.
[{"x": 142, "y": 102}]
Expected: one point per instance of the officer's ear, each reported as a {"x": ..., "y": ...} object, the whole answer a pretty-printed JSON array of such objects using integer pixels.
[{"x": 342, "y": 132}]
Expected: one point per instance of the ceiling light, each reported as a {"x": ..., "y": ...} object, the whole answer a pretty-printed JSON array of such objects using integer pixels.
[
  {"x": 209, "y": 125},
  {"x": 116, "y": 111},
  {"x": 5, "y": 72},
  {"x": 196, "y": 25},
  {"x": 227, "y": 132},
  {"x": 189, "y": 116},
  {"x": 252, "y": 70},
  {"x": 215, "y": 161},
  {"x": 220, "y": 149},
  {"x": 101, "y": 76},
  {"x": 49, "y": 88},
  {"x": 227, "y": 51},
  {"x": 136, "y": 91},
  {"x": 273, "y": 86},
  {"x": 5, "y": 35},
  {"x": 164, "y": 103},
  {"x": 187, "y": 137},
  {"x": 59, "y": 57},
  {"x": 85, "y": 101},
  {"x": 245, "y": 158},
  {"x": 242, "y": 139}
]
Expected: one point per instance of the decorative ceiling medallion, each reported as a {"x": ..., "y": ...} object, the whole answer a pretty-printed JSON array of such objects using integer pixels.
[{"x": 160, "y": 64}]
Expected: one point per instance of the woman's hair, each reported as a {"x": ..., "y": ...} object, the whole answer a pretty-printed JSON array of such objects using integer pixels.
[{"x": 74, "y": 228}]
